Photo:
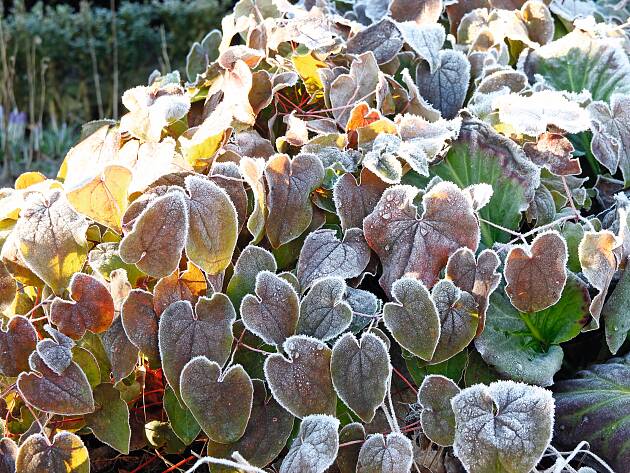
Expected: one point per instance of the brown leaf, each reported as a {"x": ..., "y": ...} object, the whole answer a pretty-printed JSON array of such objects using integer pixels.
[
  {"x": 290, "y": 185},
  {"x": 66, "y": 454},
  {"x": 91, "y": 308},
  {"x": 554, "y": 152},
  {"x": 122, "y": 354},
  {"x": 422, "y": 12},
  {"x": 140, "y": 322},
  {"x": 158, "y": 236},
  {"x": 355, "y": 200},
  {"x": 8, "y": 287},
  {"x": 186, "y": 285},
  {"x": 409, "y": 246},
  {"x": 16, "y": 344},
  {"x": 535, "y": 276}
]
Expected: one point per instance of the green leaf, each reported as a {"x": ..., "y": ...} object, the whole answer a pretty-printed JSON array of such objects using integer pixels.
[
  {"x": 452, "y": 368},
  {"x": 594, "y": 407},
  {"x": 615, "y": 313},
  {"x": 182, "y": 421},
  {"x": 110, "y": 421}
]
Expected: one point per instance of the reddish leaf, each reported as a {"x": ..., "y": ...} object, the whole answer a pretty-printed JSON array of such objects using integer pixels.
[
  {"x": 16, "y": 344},
  {"x": 122, "y": 354},
  {"x": 91, "y": 308},
  {"x": 179, "y": 286},
  {"x": 140, "y": 322},
  {"x": 355, "y": 200},
  {"x": 554, "y": 152}
]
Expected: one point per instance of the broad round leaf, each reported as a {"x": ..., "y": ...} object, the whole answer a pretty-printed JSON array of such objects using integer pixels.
[
  {"x": 437, "y": 418},
  {"x": 140, "y": 323},
  {"x": 413, "y": 319},
  {"x": 17, "y": 342},
  {"x": 502, "y": 427},
  {"x": 382, "y": 38},
  {"x": 221, "y": 402},
  {"x": 380, "y": 454},
  {"x": 360, "y": 373},
  {"x": 110, "y": 421},
  {"x": 536, "y": 276},
  {"x": 272, "y": 314},
  {"x": 91, "y": 308},
  {"x": 301, "y": 383},
  {"x": 315, "y": 447},
  {"x": 184, "y": 334},
  {"x": 408, "y": 246},
  {"x": 66, "y": 454},
  {"x": 355, "y": 200},
  {"x": 323, "y": 312},
  {"x": 251, "y": 261}
]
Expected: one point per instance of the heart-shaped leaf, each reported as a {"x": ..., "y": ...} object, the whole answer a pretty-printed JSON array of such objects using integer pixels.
[
  {"x": 323, "y": 254},
  {"x": 315, "y": 447},
  {"x": 66, "y": 454},
  {"x": 446, "y": 85},
  {"x": 272, "y": 314},
  {"x": 408, "y": 246},
  {"x": 355, "y": 200},
  {"x": 51, "y": 238},
  {"x": 91, "y": 308},
  {"x": 122, "y": 354},
  {"x": 348, "y": 456},
  {"x": 360, "y": 373},
  {"x": 213, "y": 225},
  {"x": 67, "y": 394},
  {"x": 592, "y": 406},
  {"x": 302, "y": 383},
  {"x": 458, "y": 319},
  {"x": 378, "y": 454},
  {"x": 179, "y": 285},
  {"x": 511, "y": 423},
  {"x": 56, "y": 352},
  {"x": 536, "y": 276},
  {"x": 437, "y": 418},
  {"x": 266, "y": 434},
  {"x": 220, "y": 401},
  {"x": 8, "y": 455},
  {"x": 181, "y": 419},
  {"x": 252, "y": 260},
  {"x": 184, "y": 334},
  {"x": 425, "y": 40},
  {"x": 323, "y": 312},
  {"x": 16, "y": 344},
  {"x": 382, "y": 38},
  {"x": 110, "y": 421},
  {"x": 140, "y": 323},
  {"x": 413, "y": 319},
  {"x": 290, "y": 185},
  {"x": 158, "y": 236}
]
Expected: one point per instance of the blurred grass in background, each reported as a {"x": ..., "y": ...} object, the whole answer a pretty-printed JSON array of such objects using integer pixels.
[{"x": 65, "y": 64}]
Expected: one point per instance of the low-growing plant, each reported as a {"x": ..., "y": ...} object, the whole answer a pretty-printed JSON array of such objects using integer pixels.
[{"x": 361, "y": 237}]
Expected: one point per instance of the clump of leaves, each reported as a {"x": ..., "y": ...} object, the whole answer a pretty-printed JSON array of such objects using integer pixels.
[{"x": 346, "y": 243}]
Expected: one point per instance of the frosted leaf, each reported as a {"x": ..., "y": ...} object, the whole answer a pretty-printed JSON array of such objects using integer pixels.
[
  {"x": 184, "y": 334},
  {"x": 17, "y": 342},
  {"x": 382, "y": 38},
  {"x": 504, "y": 426},
  {"x": 539, "y": 22},
  {"x": 536, "y": 276},
  {"x": 8, "y": 455},
  {"x": 599, "y": 259},
  {"x": 383, "y": 159},
  {"x": 413, "y": 319},
  {"x": 302, "y": 383},
  {"x": 478, "y": 277},
  {"x": 531, "y": 115},
  {"x": 67, "y": 453},
  {"x": 315, "y": 447},
  {"x": 220, "y": 401},
  {"x": 267, "y": 431},
  {"x": 323, "y": 255},
  {"x": 348, "y": 456},
  {"x": 272, "y": 314},
  {"x": 67, "y": 394},
  {"x": 409, "y": 246},
  {"x": 51, "y": 238},
  {"x": 360, "y": 373},
  {"x": 445, "y": 87},
  {"x": 56, "y": 357},
  {"x": 252, "y": 260},
  {"x": 554, "y": 152},
  {"x": 186, "y": 285},
  {"x": 290, "y": 185},
  {"x": 390, "y": 454},
  {"x": 110, "y": 421},
  {"x": 202, "y": 53},
  {"x": 479, "y": 195},
  {"x": 323, "y": 312},
  {"x": 426, "y": 40},
  {"x": 458, "y": 319},
  {"x": 228, "y": 177},
  {"x": 8, "y": 287},
  {"x": 615, "y": 312},
  {"x": 122, "y": 354},
  {"x": 91, "y": 308},
  {"x": 572, "y": 9},
  {"x": 437, "y": 418},
  {"x": 355, "y": 200},
  {"x": 424, "y": 12},
  {"x": 213, "y": 225},
  {"x": 611, "y": 133},
  {"x": 357, "y": 85},
  {"x": 155, "y": 161},
  {"x": 433, "y": 137},
  {"x": 140, "y": 322},
  {"x": 158, "y": 236},
  {"x": 363, "y": 304}
]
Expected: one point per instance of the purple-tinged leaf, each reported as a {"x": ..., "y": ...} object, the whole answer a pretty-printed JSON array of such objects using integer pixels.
[
  {"x": 392, "y": 454},
  {"x": 315, "y": 447},
  {"x": 122, "y": 354},
  {"x": 437, "y": 418},
  {"x": 356, "y": 200},
  {"x": 17, "y": 342},
  {"x": 140, "y": 322}
]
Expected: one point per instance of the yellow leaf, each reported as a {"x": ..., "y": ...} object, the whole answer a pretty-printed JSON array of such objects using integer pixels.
[
  {"x": 28, "y": 179},
  {"x": 104, "y": 198},
  {"x": 307, "y": 67}
]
